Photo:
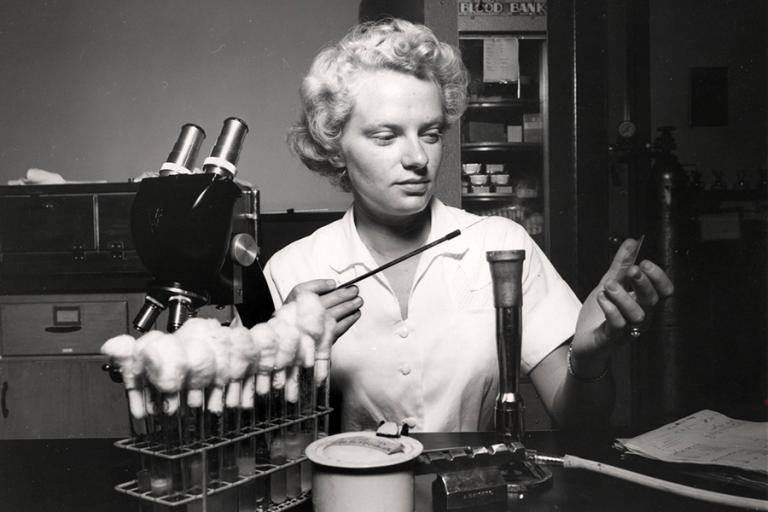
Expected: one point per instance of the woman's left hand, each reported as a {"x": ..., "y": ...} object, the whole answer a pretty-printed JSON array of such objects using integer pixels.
[{"x": 612, "y": 315}]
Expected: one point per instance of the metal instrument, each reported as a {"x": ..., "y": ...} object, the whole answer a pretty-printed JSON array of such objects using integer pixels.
[
  {"x": 506, "y": 273},
  {"x": 476, "y": 478},
  {"x": 195, "y": 233}
]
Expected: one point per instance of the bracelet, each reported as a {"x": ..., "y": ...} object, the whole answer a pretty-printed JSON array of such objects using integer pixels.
[{"x": 582, "y": 379}]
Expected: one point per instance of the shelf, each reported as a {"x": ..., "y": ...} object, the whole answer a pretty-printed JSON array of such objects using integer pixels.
[
  {"x": 503, "y": 103},
  {"x": 493, "y": 196},
  {"x": 501, "y": 146},
  {"x": 497, "y": 112}
]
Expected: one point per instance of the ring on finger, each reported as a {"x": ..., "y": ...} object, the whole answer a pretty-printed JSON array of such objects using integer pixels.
[{"x": 634, "y": 331}]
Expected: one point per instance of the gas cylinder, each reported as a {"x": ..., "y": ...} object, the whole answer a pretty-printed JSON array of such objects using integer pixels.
[
  {"x": 659, "y": 358},
  {"x": 667, "y": 214}
]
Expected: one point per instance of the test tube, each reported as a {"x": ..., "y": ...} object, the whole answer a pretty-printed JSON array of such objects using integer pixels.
[
  {"x": 229, "y": 469},
  {"x": 174, "y": 425},
  {"x": 246, "y": 460},
  {"x": 277, "y": 480},
  {"x": 322, "y": 401},
  {"x": 214, "y": 425},
  {"x": 194, "y": 432},
  {"x": 277, "y": 452},
  {"x": 159, "y": 472},
  {"x": 292, "y": 453},
  {"x": 308, "y": 427},
  {"x": 262, "y": 415}
]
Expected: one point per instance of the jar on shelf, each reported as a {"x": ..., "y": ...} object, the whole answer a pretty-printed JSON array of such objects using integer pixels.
[{"x": 526, "y": 189}]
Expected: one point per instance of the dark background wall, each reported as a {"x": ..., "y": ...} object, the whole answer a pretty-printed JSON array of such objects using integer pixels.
[
  {"x": 100, "y": 90},
  {"x": 712, "y": 33}
]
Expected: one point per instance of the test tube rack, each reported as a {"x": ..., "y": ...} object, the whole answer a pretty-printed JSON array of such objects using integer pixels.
[{"x": 150, "y": 450}]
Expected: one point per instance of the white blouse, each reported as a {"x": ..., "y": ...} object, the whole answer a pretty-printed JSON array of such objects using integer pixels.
[{"x": 436, "y": 369}]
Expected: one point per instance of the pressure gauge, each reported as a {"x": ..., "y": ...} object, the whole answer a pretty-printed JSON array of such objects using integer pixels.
[{"x": 627, "y": 129}]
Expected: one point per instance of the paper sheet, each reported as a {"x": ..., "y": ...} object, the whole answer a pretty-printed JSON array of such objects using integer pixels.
[
  {"x": 500, "y": 60},
  {"x": 706, "y": 437}
]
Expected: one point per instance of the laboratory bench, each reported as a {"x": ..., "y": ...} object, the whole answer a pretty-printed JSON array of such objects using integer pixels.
[{"x": 69, "y": 475}]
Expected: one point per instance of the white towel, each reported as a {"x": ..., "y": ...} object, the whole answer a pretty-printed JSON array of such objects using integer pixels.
[{"x": 41, "y": 177}]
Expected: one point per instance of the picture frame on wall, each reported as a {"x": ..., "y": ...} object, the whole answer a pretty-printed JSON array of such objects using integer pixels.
[{"x": 708, "y": 94}]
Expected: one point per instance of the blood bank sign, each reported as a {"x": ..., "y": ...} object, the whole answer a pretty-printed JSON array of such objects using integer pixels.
[{"x": 503, "y": 8}]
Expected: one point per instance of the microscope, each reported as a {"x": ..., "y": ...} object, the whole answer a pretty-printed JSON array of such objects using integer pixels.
[{"x": 195, "y": 234}]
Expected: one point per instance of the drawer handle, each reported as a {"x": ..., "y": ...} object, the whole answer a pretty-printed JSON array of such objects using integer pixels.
[
  {"x": 63, "y": 329},
  {"x": 2, "y": 399}
]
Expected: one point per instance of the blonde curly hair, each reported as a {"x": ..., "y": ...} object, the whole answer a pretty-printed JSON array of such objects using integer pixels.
[{"x": 326, "y": 98}]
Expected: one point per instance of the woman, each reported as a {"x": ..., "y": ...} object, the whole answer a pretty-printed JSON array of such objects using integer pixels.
[{"x": 422, "y": 349}]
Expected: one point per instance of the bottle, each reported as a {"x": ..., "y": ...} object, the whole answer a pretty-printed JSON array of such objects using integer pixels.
[
  {"x": 719, "y": 183},
  {"x": 762, "y": 180},
  {"x": 742, "y": 184}
]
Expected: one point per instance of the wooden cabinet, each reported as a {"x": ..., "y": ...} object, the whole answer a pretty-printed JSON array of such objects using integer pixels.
[
  {"x": 51, "y": 382},
  {"x": 57, "y": 398},
  {"x": 51, "y": 379}
]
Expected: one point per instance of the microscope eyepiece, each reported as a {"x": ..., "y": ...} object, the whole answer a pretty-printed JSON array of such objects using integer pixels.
[
  {"x": 183, "y": 156},
  {"x": 226, "y": 152}
]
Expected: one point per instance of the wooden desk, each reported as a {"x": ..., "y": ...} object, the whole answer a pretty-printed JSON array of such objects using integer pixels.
[
  {"x": 575, "y": 490},
  {"x": 79, "y": 475}
]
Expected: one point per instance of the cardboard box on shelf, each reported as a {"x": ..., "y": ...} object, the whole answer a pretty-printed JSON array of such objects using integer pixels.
[
  {"x": 485, "y": 132},
  {"x": 514, "y": 134},
  {"x": 532, "y": 128}
]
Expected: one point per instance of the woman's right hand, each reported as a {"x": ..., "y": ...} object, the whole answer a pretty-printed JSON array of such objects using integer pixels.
[{"x": 343, "y": 305}]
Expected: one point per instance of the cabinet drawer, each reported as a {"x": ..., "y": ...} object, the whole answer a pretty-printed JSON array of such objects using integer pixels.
[{"x": 51, "y": 328}]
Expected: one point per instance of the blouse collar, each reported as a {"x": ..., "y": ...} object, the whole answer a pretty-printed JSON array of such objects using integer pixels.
[{"x": 346, "y": 255}]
